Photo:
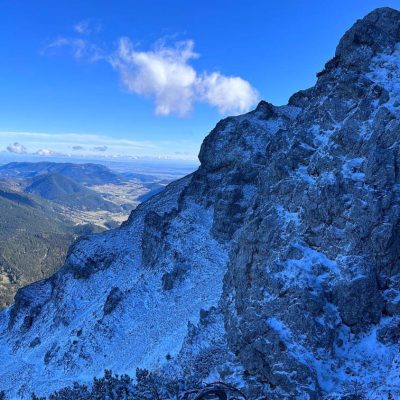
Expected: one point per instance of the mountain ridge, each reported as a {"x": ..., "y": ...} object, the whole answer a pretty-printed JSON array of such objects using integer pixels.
[
  {"x": 86, "y": 173},
  {"x": 33, "y": 241},
  {"x": 61, "y": 189}
]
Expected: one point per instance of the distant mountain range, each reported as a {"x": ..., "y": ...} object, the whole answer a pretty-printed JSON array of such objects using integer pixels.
[
  {"x": 67, "y": 192},
  {"x": 85, "y": 174},
  {"x": 70, "y": 184}
]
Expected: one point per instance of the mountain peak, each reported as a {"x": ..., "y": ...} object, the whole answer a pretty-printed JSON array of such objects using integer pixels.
[{"x": 378, "y": 31}]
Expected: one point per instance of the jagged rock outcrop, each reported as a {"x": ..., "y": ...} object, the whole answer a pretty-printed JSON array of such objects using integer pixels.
[
  {"x": 320, "y": 247},
  {"x": 274, "y": 266}
]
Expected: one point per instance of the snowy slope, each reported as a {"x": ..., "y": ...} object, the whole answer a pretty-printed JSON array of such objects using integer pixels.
[{"x": 76, "y": 337}]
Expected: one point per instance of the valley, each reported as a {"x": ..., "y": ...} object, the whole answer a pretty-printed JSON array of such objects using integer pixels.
[{"x": 46, "y": 206}]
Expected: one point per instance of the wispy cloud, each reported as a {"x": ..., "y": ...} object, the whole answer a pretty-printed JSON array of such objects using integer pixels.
[
  {"x": 80, "y": 49},
  {"x": 17, "y": 148},
  {"x": 165, "y": 74},
  {"x": 69, "y": 138},
  {"x": 88, "y": 26},
  {"x": 79, "y": 45},
  {"x": 77, "y": 148},
  {"x": 100, "y": 148}
]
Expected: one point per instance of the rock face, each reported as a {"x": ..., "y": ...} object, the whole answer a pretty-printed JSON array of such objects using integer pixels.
[{"x": 274, "y": 266}]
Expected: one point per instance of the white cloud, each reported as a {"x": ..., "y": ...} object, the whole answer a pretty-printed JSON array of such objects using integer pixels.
[
  {"x": 166, "y": 75},
  {"x": 227, "y": 93},
  {"x": 17, "y": 148},
  {"x": 48, "y": 152},
  {"x": 163, "y": 73}
]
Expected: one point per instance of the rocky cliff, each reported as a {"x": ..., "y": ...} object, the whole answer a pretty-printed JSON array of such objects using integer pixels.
[{"x": 275, "y": 266}]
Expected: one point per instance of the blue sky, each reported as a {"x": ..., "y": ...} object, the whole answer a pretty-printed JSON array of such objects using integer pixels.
[{"x": 152, "y": 78}]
